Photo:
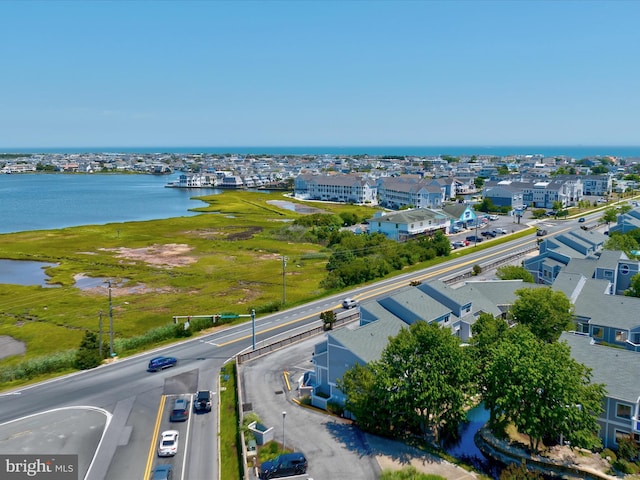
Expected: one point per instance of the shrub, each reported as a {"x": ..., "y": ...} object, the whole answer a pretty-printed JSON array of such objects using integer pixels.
[
  {"x": 627, "y": 448},
  {"x": 610, "y": 454},
  {"x": 476, "y": 270},
  {"x": 335, "y": 408},
  {"x": 88, "y": 355},
  {"x": 626, "y": 467}
]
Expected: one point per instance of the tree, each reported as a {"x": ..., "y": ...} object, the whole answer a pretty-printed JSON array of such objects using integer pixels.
[
  {"x": 634, "y": 288},
  {"x": 514, "y": 272},
  {"x": 542, "y": 391},
  {"x": 428, "y": 376},
  {"x": 419, "y": 385},
  {"x": 478, "y": 182},
  {"x": 557, "y": 207},
  {"x": 366, "y": 400},
  {"x": 610, "y": 215},
  {"x": 624, "y": 243},
  {"x": 487, "y": 332},
  {"x": 538, "y": 212},
  {"x": 329, "y": 318},
  {"x": 519, "y": 472},
  {"x": 547, "y": 313},
  {"x": 88, "y": 355}
]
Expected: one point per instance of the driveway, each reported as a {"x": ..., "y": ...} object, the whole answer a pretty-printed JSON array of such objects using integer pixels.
[{"x": 334, "y": 447}]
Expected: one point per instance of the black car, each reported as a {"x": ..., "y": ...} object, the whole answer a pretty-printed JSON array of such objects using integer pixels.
[
  {"x": 283, "y": 465},
  {"x": 474, "y": 239},
  {"x": 202, "y": 402},
  {"x": 180, "y": 412},
  {"x": 488, "y": 233},
  {"x": 160, "y": 363}
]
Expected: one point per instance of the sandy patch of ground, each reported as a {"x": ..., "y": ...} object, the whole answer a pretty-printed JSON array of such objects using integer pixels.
[
  {"x": 10, "y": 346},
  {"x": 168, "y": 256}
]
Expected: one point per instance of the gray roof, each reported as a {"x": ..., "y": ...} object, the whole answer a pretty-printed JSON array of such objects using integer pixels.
[
  {"x": 455, "y": 209},
  {"x": 609, "y": 259},
  {"x": 410, "y": 216},
  {"x": 369, "y": 341},
  {"x": 616, "y": 311},
  {"x": 614, "y": 367},
  {"x": 570, "y": 284},
  {"x": 583, "y": 266},
  {"x": 412, "y": 305},
  {"x": 497, "y": 292}
]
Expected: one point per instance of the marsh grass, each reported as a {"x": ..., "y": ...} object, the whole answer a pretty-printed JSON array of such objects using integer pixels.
[{"x": 237, "y": 266}]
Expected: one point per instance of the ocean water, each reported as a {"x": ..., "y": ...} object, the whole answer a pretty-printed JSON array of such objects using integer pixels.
[
  {"x": 573, "y": 151},
  {"x": 44, "y": 202}
]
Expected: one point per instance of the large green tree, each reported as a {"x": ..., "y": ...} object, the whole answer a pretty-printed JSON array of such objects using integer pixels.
[
  {"x": 542, "y": 391},
  {"x": 610, "y": 215},
  {"x": 420, "y": 385},
  {"x": 514, "y": 272},
  {"x": 624, "y": 243},
  {"x": 634, "y": 288},
  {"x": 547, "y": 313}
]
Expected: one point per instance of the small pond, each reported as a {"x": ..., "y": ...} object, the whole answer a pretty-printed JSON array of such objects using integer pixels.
[
  {"x": 295, "y": 207},
  {"x": 465, "y": 447},
  {"x": 24, "y": 272}
]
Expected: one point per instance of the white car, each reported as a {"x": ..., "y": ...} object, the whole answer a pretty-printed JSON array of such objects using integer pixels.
[
  {"x": 348, "y": 303},
  {"x": 168, "y": 443}
]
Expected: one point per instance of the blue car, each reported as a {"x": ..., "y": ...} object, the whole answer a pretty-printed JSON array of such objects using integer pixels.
[{"x": 160, "y": 363}]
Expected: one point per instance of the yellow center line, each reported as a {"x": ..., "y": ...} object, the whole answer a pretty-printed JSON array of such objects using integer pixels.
[
  {"x": 156, "y": 429},
  {"x": 379, "y": 290}
]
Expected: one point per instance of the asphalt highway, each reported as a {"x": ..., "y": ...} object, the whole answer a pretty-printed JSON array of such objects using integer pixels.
[{"x": 129, "y": 406}]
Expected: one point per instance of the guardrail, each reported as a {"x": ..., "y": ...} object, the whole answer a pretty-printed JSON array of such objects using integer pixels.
[
  {"x": 342, "y": 318},
  {"x": 490, "y": 265}
]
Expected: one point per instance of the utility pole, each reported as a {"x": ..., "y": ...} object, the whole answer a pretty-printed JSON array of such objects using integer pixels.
[
  {"x": 100, "y": 335},
  {"x": 111, "y": 354},
  {"x": 284, "y": 280},
  {"x": 253, "y": 327}
]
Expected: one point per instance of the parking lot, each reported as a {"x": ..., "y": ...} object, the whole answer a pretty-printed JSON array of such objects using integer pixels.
[{"x": 335, "y": 449}]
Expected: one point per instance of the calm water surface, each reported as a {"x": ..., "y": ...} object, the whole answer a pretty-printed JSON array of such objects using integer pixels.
[{"x": 50, "y": 201}]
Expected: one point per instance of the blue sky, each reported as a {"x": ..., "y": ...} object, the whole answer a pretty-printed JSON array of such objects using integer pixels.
[{"x": 302, "y": 73}]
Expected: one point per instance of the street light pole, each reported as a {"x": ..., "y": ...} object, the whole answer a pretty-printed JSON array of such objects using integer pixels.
[
  {"x": 284, "y": 280},
  {"x": 476, "y": 236},
  {"x": 284, "y": 414},
  {"x": 110, "y": 323}
]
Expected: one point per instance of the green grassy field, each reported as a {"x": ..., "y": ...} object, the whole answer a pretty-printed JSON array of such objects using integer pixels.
[{"x": 227, "y": 259}]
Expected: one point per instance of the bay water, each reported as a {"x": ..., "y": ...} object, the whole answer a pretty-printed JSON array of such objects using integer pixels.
[{"x": 51, "y": 201}]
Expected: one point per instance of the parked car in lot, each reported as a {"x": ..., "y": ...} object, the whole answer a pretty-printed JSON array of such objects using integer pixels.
[
  {"x": 202, "y": 403},
  {"x": 488, "y": 233},
  {"x": 283, "y": 465},
  {"x": 499, "y": 230},
  {"x": 349, "y": 303},
  {"x": 474, "y": 239},
  {"x": 180, "y": 411},
  {"x": 168, "y": 443},
  {"x": 459, "y": 244},
  {"x": 159, "y": 363},
  {"x": 493, "y": 217}
]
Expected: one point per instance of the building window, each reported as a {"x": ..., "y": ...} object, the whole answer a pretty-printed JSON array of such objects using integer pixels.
[
  {"x": 621, "y": 336},
  {"x": 623, "y": 411},
  {"x": 624, "y": 269},
  {"x": 621, "y": 435},
  {"x": 598, "y": 332}
]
